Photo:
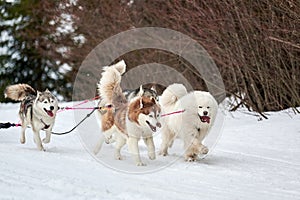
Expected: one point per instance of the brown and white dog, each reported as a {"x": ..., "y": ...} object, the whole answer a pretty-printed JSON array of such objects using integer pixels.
[{"x": 127, "y": 121}]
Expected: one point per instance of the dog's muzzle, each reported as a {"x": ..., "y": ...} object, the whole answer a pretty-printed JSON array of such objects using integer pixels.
[
  {"x": 153, "y": 128},
  {"x": 204, "y": 118},
  {"x": 49, "y": 112}
]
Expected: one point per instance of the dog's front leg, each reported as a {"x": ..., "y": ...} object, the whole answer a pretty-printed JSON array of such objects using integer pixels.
[
  {"x": 134, "y": 150},
  {"x": 37, "y": 140},
  {"x": 99, "y": 144},
  {"x": 48, "y": 136},
  {"x": 192, "y": 147},
  {"x": 151, "y": 148},
  {"x": 166, "y": 135}
]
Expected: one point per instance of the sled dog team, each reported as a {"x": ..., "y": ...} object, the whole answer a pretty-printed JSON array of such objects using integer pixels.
[{"x": 128, "y": 116}]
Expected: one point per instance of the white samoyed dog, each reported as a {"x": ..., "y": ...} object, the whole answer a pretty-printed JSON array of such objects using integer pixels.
[{"x": 192, "y": 125}]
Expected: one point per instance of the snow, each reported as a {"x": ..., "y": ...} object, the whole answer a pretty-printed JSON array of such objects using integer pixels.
[
  {"x": 64, "y": 68},
  {"x": 252, "y": 160},
  {"x": 66, "y": 24}
]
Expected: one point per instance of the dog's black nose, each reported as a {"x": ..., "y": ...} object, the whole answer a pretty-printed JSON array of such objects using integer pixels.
[
  {"x": 51, "y": 107},
  {"x": 205, "y": 113}
]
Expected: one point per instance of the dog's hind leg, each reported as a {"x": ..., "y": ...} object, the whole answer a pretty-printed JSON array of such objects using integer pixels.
[
  {"x": 203, "y": 149},
  {"x": 134, "y": 150},
  {"x": 151, "y": 148},
  {"x": 22, "y": 137},
  {"x": 120, "y": 142}
]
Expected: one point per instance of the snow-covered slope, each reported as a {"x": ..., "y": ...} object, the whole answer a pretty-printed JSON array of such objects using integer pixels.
[{"x": 252, "y": 160}]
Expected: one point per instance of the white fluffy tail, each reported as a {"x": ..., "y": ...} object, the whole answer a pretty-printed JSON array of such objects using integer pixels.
[
  {"x": 111, "y": 77},
  {"x": 172, "y": 93},
  {"x": 18, "y": 92}
]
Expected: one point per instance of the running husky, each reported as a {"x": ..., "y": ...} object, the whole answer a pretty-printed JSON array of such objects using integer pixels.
[
  {"x": 127, "y": 120},
  {"x": 37, "y": 109},
  {"x": 111, "y": 77},
  {"x": 193, "y": 125}
]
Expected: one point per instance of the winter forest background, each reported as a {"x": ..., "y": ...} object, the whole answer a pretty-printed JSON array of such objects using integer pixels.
[{"x": 255, "y": 44}]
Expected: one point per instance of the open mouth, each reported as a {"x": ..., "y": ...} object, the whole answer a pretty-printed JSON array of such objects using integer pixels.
[
  {"x": 153, "y": 128},
  {"x": 205, "y": 119},
  {"x": 49, "y": 112}
]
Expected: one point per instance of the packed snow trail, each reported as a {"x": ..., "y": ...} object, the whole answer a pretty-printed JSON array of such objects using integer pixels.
[{"x": 252, "y": 160}]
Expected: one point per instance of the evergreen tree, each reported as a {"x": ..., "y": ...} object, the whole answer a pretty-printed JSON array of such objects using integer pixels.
[{"x": 28, "y": 51}]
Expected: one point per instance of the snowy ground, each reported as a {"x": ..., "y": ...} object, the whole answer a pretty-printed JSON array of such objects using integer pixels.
[{"x": 252, "y": 160}]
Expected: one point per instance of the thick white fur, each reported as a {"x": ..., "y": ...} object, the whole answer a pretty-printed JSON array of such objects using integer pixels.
[
  {"x": 111, "y": 76},
  {"x": 187, "y": 126}
]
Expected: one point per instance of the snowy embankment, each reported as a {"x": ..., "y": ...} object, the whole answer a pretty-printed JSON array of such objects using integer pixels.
[{"x": 252, "y": 160}]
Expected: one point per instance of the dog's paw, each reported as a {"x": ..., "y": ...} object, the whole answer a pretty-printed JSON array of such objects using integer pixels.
[
  {"x": 140, "y": 164},
  {"x": 41, "y": 148},
  {"x": 203, "y": 149},
  {"x": 151, "y": 156},
  {"x": 191, "y": 157},
  {"x": 163, "y": 153},
  {"x": 22, "y": 140},
  {"x": 118, "y": 157},
  {"x": 46, "y": 140}
]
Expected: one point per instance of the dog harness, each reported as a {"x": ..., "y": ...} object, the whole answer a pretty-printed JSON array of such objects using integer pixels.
[{"x": 46, "y": 126}]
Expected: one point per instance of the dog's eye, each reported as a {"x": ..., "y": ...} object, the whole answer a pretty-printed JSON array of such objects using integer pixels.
[
  {"x": 45, "y": 101},
  {"x": 200, "y": 106},
  {"x": 151, "y": 116},
  {"x": 157, "y": 115},
  {"x": 208, "y": 107},
  {"x": 52, "y": 101}
]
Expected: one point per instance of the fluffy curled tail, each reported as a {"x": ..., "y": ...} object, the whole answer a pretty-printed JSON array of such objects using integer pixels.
[
  {"x": 172, "y": 93},
  {"x": 111, "y": 78},
  {"x": 18, "y": 92}
]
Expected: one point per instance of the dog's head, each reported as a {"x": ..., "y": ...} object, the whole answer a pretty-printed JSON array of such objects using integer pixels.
[
  {"x": 46, "y": 103},
  {"x": 148, "y": 92},
  {"x": 206, "y": 106},
  {"x": 146, "y": 112}
]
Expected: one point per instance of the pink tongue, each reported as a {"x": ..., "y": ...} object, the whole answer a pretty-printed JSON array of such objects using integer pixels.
[
  {"x": 205, "y": 119},
  {"x": 50, "y": 113}
]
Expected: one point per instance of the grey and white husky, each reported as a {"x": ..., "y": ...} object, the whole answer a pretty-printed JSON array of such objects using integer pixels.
[{"x": 37, "y": 109}]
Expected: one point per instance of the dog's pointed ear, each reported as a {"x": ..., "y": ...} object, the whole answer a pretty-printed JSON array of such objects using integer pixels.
[
  {"x": 38, "y": 93},
  {"x": 141, "y": 103},
  {"x": 48, "y": 91},
  {"x": 141, "y": 91},
  {"x": 153, "y": 88}
]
